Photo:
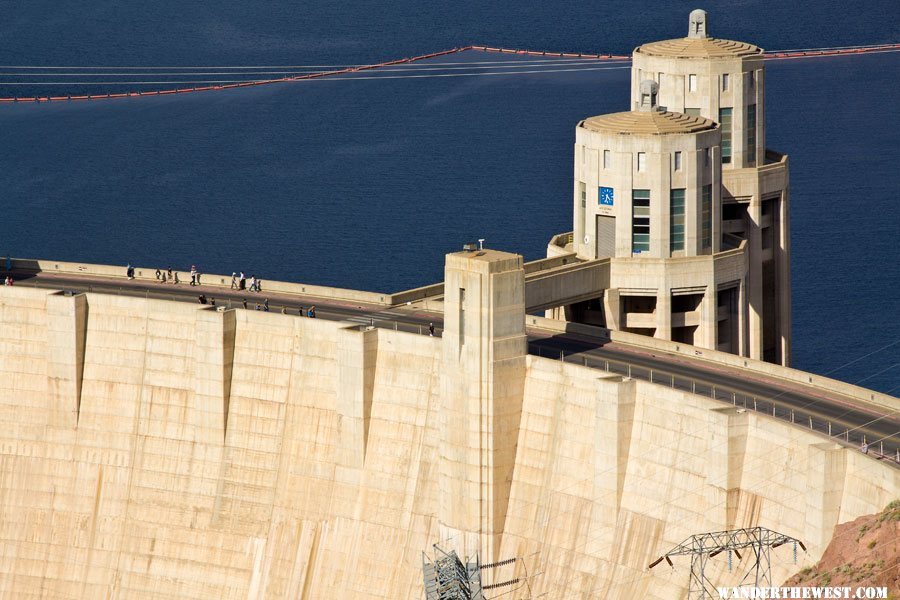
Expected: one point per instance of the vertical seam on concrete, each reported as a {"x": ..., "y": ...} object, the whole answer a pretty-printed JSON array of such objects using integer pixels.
[
  {"x": 623, "y": 443},
  {"x": 484, "y": 386},
  {"x": 134, "y": 439},
  {"x": 229, "y": 324},
  {"x": 434, "y": 394},
  {"x": 80, "y": 345},
  {"x": 266, "y": 562},
  {"x": 90, "y": 549},
  {"x": 310, "y": 564},
  {"x": 368, "y": 392}
]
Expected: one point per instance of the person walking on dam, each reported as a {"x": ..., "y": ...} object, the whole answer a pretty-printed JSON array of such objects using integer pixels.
[
  {"x": 8, "y": 264},
  {"x": 193, "y": 275},
  {"x": 234, "y": 284}
]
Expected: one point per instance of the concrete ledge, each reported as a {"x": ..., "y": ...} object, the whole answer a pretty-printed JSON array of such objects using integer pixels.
[
  {"x": 551, "y": 262},
  {"x": 419, "y": 293},
  {"x": 148, "y": 274},
  {"x": 867, "y": 398}
]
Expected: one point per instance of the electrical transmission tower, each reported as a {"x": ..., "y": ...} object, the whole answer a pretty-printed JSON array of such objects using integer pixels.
[
  {"x": 756, "y": 542},
  {"x": 448, "y": 578}
]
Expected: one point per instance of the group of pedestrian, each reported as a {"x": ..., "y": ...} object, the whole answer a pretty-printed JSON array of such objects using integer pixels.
[
  {"x": 8, "y": 280},
  {"x": 239, "y": 282},
  {"x": 167, "y": 276},
  {"x": 263, "y": 307},
  {"x": 204, "y": 300}
]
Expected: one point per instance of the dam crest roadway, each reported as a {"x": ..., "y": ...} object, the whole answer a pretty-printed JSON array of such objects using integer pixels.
[{"x": 837, "y": 410}]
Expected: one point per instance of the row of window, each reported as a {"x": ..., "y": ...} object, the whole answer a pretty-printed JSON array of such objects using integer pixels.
[
  {"x": 726, "y": 81},
  {"x": 725, "y": 122},
  {"x": 640, "y": 219},
  {"x": 642, "y": 160}
]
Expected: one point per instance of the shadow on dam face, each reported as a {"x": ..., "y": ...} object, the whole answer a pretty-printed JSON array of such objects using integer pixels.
[{"x": 565, "y": 346}]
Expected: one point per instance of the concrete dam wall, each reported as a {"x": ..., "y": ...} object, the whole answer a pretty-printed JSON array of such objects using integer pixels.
[{"x": 168, "y": 450}]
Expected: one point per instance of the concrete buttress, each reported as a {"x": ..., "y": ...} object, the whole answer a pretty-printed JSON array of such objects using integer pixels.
[
  {"x": 357, "y": 353},
  {"x": 484, "y": 350},
  {"x": 214, "y": 364},
  {"x": 66, "y": 330}
]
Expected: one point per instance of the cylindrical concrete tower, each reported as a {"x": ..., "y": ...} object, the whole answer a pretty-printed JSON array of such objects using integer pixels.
[
  {"x": 647, "y": 183},
  {"x": 724, "y": 80},
  {"x": 718, "y": 79}
]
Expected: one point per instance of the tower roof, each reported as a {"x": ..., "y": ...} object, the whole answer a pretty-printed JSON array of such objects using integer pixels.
[
  {"x": 647, "y": 123},
  {"x": 698, "y": 44},
  {"x": 699, "y": 47}
]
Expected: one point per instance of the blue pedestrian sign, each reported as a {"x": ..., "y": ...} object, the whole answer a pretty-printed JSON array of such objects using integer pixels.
[{"x": 606, "y": 196}]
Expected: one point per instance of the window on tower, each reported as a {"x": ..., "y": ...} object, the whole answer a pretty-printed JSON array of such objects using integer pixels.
[
  {"x": 725, "y": 124},
  {"x": 751, "y": 133},
  {"x": 692, "y": 83},
  {"x": 640, "y": 221},
  {"x": 462, "y": 316},
  {"x": 676, "y": 216},
  {"x": 706, "y": 217}
]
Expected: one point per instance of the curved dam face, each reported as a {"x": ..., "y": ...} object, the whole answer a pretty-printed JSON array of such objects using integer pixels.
[{"x": 169, "y": 450}]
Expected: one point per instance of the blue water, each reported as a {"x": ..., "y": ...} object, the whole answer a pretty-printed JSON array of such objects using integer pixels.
[{"x": 366, "y": 184}]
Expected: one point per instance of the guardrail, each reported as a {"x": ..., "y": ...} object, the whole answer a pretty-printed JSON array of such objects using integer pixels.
[
  {"x": 863, "y": 396},
  {"x": 883, "y": 449}
]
